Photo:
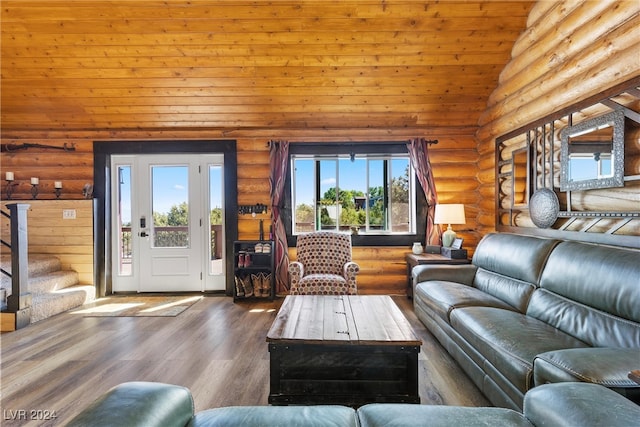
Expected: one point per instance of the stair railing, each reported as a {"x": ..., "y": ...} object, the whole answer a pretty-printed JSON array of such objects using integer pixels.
[{"x": 19, "y": 302}]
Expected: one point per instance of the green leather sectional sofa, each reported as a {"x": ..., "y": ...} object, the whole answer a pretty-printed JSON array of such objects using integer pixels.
[
  {"x": 143, "y": 404},
  {"x": 530, "y": 311}
]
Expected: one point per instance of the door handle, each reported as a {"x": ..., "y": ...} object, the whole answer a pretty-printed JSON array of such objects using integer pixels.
[{"x": 143, "y": 234}]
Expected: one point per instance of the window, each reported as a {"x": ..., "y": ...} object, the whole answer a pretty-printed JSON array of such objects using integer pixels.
[
  {"x": 371, "y": 194},
  {"x": 368, "y": 190}
]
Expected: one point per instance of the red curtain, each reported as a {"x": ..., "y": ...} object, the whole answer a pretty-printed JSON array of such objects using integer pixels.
[
  {"x": 419, "y": 154},
  {"x": 278, "y": 160}
]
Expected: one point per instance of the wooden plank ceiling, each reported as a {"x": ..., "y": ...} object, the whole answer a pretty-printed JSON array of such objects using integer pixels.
[{"x": 122, "y": 65}]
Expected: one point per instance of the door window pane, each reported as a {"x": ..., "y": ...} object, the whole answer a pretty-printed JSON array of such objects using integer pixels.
[
  {"x": 169, "y": 204},
  {"x": 215, "y": 221},
  {"x": 125, "y": 249}
]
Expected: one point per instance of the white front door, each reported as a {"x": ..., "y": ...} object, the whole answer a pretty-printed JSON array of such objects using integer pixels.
[{"x": 167, "y": 222}]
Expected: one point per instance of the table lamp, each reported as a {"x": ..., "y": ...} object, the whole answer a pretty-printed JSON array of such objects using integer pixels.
[{"x": 449, "y": 214}]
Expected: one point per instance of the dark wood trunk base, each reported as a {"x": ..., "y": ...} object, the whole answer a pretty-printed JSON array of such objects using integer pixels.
[{"x": 347, "y": 374}]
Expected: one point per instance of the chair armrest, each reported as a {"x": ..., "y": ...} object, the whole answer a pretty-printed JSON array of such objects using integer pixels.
[
  {"x": 579, "y": 404},
  {"x": 296, "y": 269},
  {"x": 350, "y": 270},
  {"x": 464, "y": 273},
  {"x": 143, "y": 404}
]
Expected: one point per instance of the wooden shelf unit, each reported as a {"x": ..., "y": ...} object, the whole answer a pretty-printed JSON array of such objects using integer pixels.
[{"x": 261, "y": 262}]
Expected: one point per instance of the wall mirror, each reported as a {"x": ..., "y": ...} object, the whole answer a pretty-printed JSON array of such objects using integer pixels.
[
  {"x": 592, "y": 153},
  {"x": 603, "y": 131}
]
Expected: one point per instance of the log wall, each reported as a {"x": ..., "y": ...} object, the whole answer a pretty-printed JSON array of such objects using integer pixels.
[
  {"x": 569, "y": 52},
  {"x": 453, "y": 159}
]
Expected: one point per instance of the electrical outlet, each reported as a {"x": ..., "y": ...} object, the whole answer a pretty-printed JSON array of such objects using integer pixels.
[{"x": 68, "y": 214}]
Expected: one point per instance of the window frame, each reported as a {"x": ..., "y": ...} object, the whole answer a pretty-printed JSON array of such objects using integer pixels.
[{"x": 357, "y": 148}]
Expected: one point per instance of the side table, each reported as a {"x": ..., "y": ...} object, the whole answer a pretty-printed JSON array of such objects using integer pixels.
[{"x": 413, "y": 260}]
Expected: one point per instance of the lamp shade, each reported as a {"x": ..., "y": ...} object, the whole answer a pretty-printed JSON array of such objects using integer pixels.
[{"x": 449, "y": 214}]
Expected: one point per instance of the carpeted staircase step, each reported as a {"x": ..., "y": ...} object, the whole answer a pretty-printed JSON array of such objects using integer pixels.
[
  {"x": 52, "y": 289},
  {"x": 51, "y": 303},
  {"x": 39, "y": 264},
  {"x": 52, "y": 281}
]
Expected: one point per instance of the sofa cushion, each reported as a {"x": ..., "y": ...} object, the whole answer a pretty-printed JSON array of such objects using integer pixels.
[
  {"x": 509, "y": 340},
  {"x": 285, "y": 416},
  {"x": 442, "y": 297},
  {"x": 595, "y": 327},
  {"x": 144, "y": 404},
  {"x": 405, "y": 415},
  {"x": 514, "y": 292},
  {"x": 606, "y": 366},
  {"x": 601, "y": 277},
  {"x": 512, "y": 255},
  {"x": 579, "y": 404}
]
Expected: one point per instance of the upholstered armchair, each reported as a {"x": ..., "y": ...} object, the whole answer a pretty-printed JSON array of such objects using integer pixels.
[{"x": 323, "y": 265}]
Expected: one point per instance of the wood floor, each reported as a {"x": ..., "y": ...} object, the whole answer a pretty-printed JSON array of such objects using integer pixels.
[{"x": 216, "y": 348}]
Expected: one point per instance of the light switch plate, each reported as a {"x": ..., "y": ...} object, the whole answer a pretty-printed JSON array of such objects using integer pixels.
[{"x": 68, "y": 214}]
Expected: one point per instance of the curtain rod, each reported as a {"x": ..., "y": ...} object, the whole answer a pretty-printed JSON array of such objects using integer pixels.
[{"x": 428, "y": 141}]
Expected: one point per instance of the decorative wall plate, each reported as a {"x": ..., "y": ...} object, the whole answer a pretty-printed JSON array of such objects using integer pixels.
[{"x": 544, "y": 208}]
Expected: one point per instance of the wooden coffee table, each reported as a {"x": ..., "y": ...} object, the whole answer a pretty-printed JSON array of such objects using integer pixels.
[{"x": 347, "y": 350}]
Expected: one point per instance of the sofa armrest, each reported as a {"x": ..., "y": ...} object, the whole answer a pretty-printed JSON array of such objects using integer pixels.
[
  {"x": 464, "y": 273},
  {"x": 609, "y": 367},
  {"x": 579, "y": 404},
  {"x": 143, "y": 404}
]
